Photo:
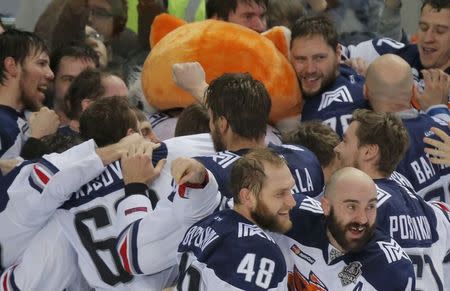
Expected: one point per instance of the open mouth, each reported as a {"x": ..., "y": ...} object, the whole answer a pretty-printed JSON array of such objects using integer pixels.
[
  {"x": 42, "y": 88},
  {"x": 357, "y": 230},
  {"x": 428, "y": 51}
]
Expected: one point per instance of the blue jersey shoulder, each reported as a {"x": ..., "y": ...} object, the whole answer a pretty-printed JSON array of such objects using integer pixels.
[{"x": 238, "y": 251}]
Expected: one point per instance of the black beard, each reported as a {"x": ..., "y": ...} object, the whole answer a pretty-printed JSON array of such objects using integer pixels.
[
  {"x": 327, "y": 81},
  {"x": 338, "y": 232}
]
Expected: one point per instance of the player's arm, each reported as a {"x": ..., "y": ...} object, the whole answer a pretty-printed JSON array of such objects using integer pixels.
[
  {"x": 197, "y": 192},
  {"x": 138, "y": 171}
]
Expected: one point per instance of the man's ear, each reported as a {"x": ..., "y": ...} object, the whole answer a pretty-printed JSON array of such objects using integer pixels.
[
  {"x": 130, "y": 131},
  {"x": 11, "y": 67},
  {"x": 223, "y": 124},
  {"x": 338, "y": 53},
  {"x": 85, "y": 104},
  {"x": 371, "y": 152},
  {"x": 247, "y": 198},
  {"x": 365, "y": 92},
  {"x": 325, "y": 206}
]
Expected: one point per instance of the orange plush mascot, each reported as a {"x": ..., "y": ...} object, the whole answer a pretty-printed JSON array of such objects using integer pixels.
[{"x": 220, "y": 47}]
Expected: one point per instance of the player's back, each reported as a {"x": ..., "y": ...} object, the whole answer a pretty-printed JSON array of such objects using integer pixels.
[
  {"x": 420, "y": 228},
  {"x": 430, "y": 181},
  {"x": 225, "y": 251},
  {"x": 303, "y": 164},
  {"x": 89, "y": 222}
]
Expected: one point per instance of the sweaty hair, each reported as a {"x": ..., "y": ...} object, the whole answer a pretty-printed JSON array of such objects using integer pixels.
[
  {"x": 53, "y": 143},
  {"x": 19, "y": 45},
  {"x": 436, "y": 4},
  {"x": 192, "y": 120},
  {"x": 387, "y": 132},
  {"x": 317, "y": 137},
  {"x": 243, "y": 101},
  {"x": 107, "y": 120},
  {"x": 309, "y": 26},
  {"x": 248, "y": 171},
  {"x": 75, "y": 50},
  {"x": 222, "y": 9}
]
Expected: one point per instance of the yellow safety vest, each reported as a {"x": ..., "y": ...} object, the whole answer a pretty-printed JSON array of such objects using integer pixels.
[{"x": 189, "y": 10}]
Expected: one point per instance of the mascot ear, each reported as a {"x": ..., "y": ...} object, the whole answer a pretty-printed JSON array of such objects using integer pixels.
[
  {"x": 281, "y": 38},
  {"x": 162, "y": 25}
]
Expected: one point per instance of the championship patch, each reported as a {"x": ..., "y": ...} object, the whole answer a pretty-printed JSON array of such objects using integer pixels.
[{"x": 350, "y": 273}]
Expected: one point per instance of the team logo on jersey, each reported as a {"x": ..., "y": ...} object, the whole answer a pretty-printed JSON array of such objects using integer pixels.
[
  {"x": 298, "y": 282},
  {"x": 247, "y": 230},
  {"x": 340, "y": 95},
  {"x": 392, "y": 251},
  {"x": 298, "y": 252},
  {"x": 334, "y": 254},
  {"x": 350, "y": 273}
]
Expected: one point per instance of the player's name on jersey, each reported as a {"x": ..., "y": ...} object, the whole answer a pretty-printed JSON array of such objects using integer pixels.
[
  {"x": 200, "y": 237},
  {"x": 304, "y": 180},
  {"x": 407, "y": 227},
  {"x": 423, "y": 169},
  {"x": 109, "y": 181}
]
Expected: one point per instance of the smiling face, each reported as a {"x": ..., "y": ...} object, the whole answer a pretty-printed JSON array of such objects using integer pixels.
[
  {"x": 35, "y": 77},
  {"x": 350, "y": 210},
  {"x": 271, "y": 209},
  {"x": 315, "y": 63},
  {"x": 434, "y": 38}
]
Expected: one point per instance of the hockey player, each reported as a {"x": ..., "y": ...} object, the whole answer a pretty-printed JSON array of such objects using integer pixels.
[
  {"x": 330, "y": 89},
  {"x": 429, "y": 58},
  {"x": 340, "y": 248},
  {"x": 339, "y": 251},
  {"x": 389, "y": 88},
  {"x": 230, "y": 250},
  {"x": 34, "y": 190},
  {"x": 24, "y": 77},
  {"x": 239, "y": 107},
  {"x": 375, "y": 143}
]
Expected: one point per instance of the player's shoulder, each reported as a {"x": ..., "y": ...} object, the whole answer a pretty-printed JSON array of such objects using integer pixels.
[
  {"x": 239, "y": 252},
  {"x": 383, "y": 256}
]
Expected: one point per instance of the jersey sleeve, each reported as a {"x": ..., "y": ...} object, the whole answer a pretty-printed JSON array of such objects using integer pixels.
[
  {"x": 194, "y": 202},
  {"x": 397, "y": 263},
  {"x": 442, "y": 211},
  {"x": 148, "y": 245},
  {"x": 40, "y": 188}
]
